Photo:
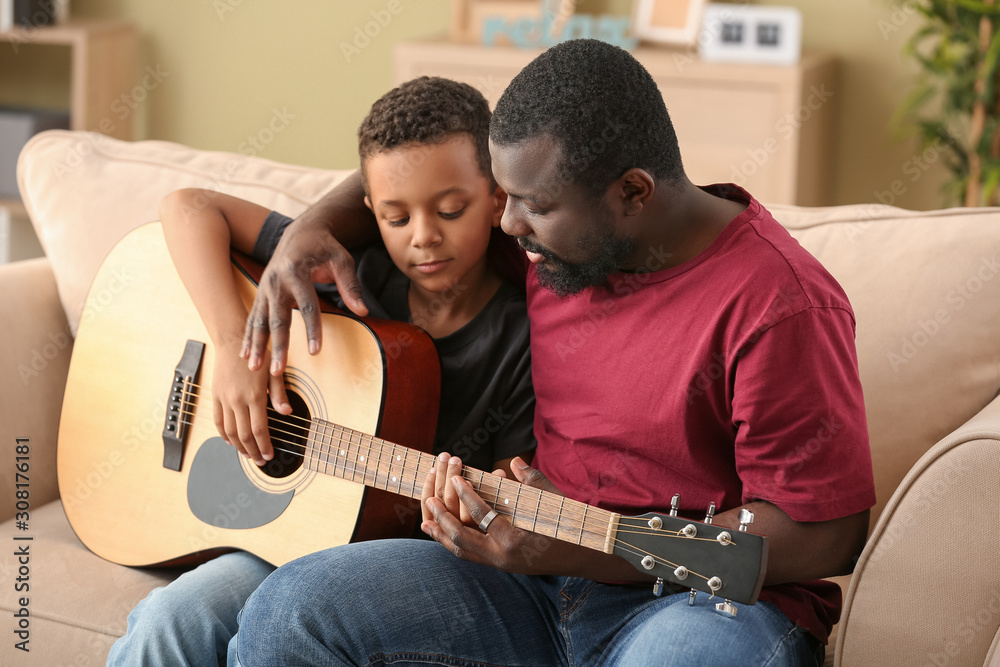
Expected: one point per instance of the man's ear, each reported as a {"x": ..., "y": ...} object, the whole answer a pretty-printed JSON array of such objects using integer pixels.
[
  {"x": 637, "y": 187},
  {"x": 500, "y": 203}
]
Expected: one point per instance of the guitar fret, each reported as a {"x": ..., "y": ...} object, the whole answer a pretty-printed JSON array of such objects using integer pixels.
[
  {"x": 308, "y": 459},
  {"x": 378, "y": 467},
  {"x": 316, "y": 453},
  {"x": 341, "y": 455},
  {"x": 562, "y": 502},
  {"x": 534, "y": 519},
  {"x": 359, "y": 468},
  {"x": 583, "y": 523},
  {"x": 402, "y": 470},
  {"x": 328, "y": 440},
  {"x": 364, "y": 458},
  {"x": 398, "y": 478},
  {"x": 517, "y": 498}
]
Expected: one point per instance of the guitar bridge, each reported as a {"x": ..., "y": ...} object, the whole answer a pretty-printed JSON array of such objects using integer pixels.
[{"x": 179, "y": 403}]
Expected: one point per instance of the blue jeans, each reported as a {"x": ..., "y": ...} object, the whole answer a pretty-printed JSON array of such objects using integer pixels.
[
  {"x": 191, "y": 620},
  {"x": 411, "y": 602}
]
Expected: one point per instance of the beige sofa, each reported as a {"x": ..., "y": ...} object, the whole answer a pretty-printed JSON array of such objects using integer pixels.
[{"x": 925, "y": 288}]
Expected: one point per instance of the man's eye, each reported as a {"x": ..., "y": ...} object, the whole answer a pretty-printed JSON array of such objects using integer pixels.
[{"x": 452, "y": 216}]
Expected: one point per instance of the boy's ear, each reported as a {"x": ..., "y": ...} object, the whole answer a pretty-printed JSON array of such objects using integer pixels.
[
  {"x": 368, "y": 203},
  {"x": 500, "y": 203}
]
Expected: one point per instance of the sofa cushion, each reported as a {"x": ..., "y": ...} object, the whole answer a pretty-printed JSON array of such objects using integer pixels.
[
  {"x": 925, "y": 287},
  {"x": 84, "y": 191},
  {"x": 78, "y": 602}
]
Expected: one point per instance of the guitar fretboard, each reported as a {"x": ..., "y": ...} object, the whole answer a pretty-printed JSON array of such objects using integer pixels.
[{"x": 355, "y": 456}]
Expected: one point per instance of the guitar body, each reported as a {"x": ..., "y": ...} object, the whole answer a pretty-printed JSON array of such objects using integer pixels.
[{"x": 377, "y": 377}]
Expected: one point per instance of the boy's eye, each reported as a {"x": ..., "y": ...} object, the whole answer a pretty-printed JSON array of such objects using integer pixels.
[
  {"x": 398, "y": 222},
  {"x": 452, "y": 216}
]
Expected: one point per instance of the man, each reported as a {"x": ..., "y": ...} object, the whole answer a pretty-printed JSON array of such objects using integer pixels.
[{"x": 682, "y": 342}]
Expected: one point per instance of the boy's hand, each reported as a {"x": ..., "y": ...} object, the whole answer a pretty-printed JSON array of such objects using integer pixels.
[
  {"x": 438, "y": 485},
  {"x": 240, "y": 405},
  {"x": 307, "y": 253}
]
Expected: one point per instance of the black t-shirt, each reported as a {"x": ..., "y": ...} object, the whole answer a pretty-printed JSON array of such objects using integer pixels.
[{"x": 487, "y": 401}]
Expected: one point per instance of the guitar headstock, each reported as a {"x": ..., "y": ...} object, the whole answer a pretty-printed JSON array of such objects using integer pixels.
[{"x": 717, "y": 560}]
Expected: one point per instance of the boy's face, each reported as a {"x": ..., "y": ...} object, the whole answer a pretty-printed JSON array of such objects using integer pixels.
[
  {"x": 570, "y": 237},
  {"x": 435, "y": 210}
]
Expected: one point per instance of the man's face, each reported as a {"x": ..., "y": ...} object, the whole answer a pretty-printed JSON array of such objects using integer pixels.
[{"x": 568, "y": 235}]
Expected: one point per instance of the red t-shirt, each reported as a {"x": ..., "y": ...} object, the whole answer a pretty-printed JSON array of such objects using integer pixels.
[{"x": 730, "y": 378}]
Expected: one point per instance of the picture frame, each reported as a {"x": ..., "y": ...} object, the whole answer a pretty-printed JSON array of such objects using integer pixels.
[
  {"x": 751, "y": 34},
  {"x": 668, "y": 21}
]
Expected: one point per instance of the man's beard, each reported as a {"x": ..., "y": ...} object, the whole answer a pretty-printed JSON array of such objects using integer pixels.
[{"x": 565, "y": 279}]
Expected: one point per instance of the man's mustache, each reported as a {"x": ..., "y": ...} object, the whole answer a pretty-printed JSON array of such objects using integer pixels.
[{"x": 534, "y": 247}]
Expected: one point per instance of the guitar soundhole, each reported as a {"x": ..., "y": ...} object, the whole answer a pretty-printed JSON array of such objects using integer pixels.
[{"x": 288, "y": 436}]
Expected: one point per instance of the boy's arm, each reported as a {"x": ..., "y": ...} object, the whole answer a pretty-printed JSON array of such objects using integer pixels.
[
  {"x": 200, "y": 226},
  {"x": 312, "y": 249}
]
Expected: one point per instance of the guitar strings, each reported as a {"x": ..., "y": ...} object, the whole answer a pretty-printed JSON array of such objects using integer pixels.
[{"x": 343, "y": 463}]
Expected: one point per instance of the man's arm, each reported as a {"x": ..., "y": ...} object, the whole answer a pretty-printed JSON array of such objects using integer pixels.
[{"x": 312, "y": 249}]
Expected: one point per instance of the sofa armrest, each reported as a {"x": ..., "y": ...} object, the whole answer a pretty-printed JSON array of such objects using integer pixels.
[
  {"x": 926, "y": 589},
  {"x": 34, "y": 362}
]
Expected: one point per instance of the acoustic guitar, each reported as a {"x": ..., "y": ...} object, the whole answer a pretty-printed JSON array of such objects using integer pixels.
[{"x": 145, "y": 478}]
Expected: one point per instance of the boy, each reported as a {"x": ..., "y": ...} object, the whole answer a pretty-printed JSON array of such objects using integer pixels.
[{"x": 426, "y": 168}]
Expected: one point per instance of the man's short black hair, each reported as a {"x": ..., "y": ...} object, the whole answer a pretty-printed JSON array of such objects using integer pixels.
[
  {"x": 600, "y": 104},
  {"x": 427, "y": 110}
]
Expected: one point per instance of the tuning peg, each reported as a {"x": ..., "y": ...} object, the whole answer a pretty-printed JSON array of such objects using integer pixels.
[
  {"x": 726, "y": 608},
  {"x": 658, "y": 587},
  {"x": 675, "y": 504},
  {"x": 691, "y": 597},
  {"x": 711, "y": 513},
  {"x": 745, "y": 518}
]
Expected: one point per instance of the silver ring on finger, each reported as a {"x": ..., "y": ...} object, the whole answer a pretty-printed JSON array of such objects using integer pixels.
[{"x": 487, "y": 520}]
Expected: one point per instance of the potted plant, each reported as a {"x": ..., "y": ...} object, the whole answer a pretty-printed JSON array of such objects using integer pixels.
[{"x": 957, "y": 98}]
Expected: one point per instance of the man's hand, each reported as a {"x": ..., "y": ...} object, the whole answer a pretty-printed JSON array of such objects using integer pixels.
[
  {"x": 308, "y": 253},
  {"x": 452, "y": 511},
  {"x": 502, "y": 545}
]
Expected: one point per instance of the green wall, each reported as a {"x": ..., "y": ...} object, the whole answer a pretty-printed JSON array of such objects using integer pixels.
[
  {"x": 230, "y": 65},
  {"x": 233, "y": 69}
]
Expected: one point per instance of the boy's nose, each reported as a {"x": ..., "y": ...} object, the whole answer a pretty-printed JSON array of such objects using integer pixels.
[{"x": 425, "y": 231}]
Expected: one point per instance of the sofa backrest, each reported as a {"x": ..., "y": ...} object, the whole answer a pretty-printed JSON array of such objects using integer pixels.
[
  {"x": 924, "y": 286},
  {"x": 84, "y": 191}
]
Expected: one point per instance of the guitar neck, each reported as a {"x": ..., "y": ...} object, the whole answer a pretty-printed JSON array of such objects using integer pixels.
[{"x": 377, "y": 463}]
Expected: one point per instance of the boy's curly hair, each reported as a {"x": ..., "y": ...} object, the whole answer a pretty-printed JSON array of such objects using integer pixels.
[{"x": 427, "y": 110}]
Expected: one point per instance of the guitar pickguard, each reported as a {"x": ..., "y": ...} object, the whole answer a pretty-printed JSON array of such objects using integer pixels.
[{"x": 219, "y": 493}]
